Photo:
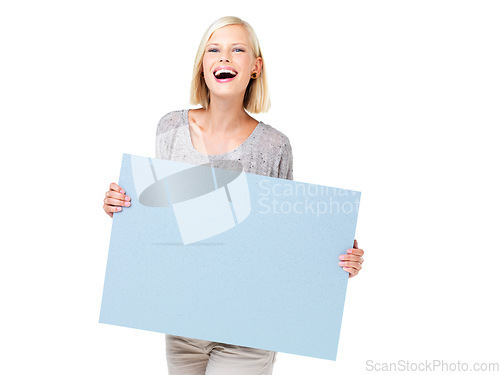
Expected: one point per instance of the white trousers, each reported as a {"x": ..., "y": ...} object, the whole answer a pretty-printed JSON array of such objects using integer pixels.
[{"x": 186, "y": 356}]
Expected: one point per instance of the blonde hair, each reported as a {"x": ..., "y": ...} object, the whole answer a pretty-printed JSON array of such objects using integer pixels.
[{"x": 256, "y": 97}]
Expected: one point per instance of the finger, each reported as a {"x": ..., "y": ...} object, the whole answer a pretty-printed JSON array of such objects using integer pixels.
[
  {"x": 115, "y": 187},
  {"x": 116, "y": 202},
  {"x": 355, "y": 244},
  {"x": 110, "y": 209},
  {"x": 355, "y": 258},
  {"x": 351, "y": 265},
  {"x": 352, "y": 271},
  {"x": 120, "y": 196},
  {"x": 356, "y": 251},
  {"x": 113, "y": 208}
]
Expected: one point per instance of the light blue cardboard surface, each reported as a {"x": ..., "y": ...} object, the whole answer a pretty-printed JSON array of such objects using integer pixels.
[{"x": 227, "y": 256}]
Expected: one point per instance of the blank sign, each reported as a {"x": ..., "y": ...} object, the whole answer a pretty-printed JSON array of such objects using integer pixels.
[{"x": 222, "y": 255}]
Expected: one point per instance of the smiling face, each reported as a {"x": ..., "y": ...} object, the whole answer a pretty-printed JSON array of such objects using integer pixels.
[{"x": 229, "y": 47}]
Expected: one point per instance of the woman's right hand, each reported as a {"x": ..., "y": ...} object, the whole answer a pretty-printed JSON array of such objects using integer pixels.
[{"x": 114, "y": 200}]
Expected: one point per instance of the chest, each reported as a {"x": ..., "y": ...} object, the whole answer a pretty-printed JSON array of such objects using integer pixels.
[{"x": 215, "y": 145}]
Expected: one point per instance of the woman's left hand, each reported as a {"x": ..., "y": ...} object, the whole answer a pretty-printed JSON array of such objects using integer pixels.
[{"x": 352, "y": 261}]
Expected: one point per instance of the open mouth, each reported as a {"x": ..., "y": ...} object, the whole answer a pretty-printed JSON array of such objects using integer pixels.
[{"x": 224, "y": 74}]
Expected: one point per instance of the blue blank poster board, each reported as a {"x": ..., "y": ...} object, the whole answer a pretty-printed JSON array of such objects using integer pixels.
[{"x": 222, "y": 255}]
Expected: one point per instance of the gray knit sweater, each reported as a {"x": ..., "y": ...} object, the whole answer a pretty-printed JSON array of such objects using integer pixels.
[{"x": 267, "y": 151}]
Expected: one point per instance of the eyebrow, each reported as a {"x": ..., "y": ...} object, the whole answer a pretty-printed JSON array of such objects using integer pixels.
[{"x": 216, "y": 44}]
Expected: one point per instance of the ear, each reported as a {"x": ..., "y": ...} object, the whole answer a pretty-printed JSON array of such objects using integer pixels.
[{"x": 257, "y": 66}]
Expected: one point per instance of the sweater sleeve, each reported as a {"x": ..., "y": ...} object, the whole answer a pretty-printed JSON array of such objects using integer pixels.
[
  {"x": 285, "y": 168},
  {"x": 163, "y": 131}
]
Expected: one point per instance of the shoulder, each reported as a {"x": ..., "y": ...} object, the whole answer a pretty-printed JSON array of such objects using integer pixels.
[
  {"x": 276, "y": 138},
  {"x": 282, "y": 149},
  {"x": 170, "y": 121}
]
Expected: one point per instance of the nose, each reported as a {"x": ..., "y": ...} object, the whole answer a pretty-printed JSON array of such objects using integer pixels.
[{"x": 224, "y": 55}]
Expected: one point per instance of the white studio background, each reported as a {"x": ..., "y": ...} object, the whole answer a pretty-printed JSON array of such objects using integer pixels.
[{"x": 396, "y": 99}]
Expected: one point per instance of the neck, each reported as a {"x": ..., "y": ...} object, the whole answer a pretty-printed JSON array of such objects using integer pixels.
[{"x": 225, "y": 116}]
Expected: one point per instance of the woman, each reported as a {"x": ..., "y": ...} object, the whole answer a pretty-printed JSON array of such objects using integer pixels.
[{"x": 229, "y": 78}]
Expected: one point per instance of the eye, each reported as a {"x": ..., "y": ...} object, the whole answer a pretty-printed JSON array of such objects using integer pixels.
[{"x": 215, "y": 49}]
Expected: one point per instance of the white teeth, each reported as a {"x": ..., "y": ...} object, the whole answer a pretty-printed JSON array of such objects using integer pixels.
[{"x": 217, "y": 73}]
